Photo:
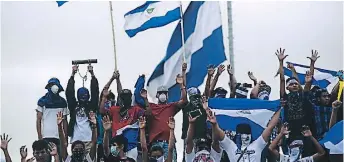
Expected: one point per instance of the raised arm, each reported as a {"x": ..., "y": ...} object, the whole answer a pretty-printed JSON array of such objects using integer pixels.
[
  {"x": 220, "y": 69},
  {"x": 142, "y": 125},
  {"x": 62, "y": 136},
  {"x": 308, "y": 80},
  {"x": 215, "y": 140},
  {"x": 93, "y": 121},
  {"x": 53, "y": 152},
  {"x": 94, "y": 89},
  {"x": 254, "y": 91},
  {"x": 102, "y": 109},
  {"x": 313, "y": 59},
  {"x": 107, "y": 127},
  {"x": 232, "y": 81},
  {"x": 171, "y": 141},
  {"x": 4, "y": 145},
  {"x": 335, "y": 106},
  {"x": 70, "y": 90},
  {"x": 183, "y": 96},
  {"x": 190, "y": 135},
  {"x": 118, "y": 81},
  {"x": 252, "y": 77},
  {"x": 211, "y": 71},
  {"x": 281, "y": 56},
  {"x": 274, "y": 144},
  {"x": 139, "y": 85},
  {"x": 273, "y": 122},
  {"x": 320, "y": 150}
]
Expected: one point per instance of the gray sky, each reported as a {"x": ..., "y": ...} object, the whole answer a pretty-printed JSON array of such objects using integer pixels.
[{"x": 39, "y": 40}]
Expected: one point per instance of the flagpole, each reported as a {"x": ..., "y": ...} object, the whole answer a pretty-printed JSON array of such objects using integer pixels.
[
  {"x": 230, "y": 35},
  {"x": 113, "y": 35},
  {"x": 182, "y": 30}
]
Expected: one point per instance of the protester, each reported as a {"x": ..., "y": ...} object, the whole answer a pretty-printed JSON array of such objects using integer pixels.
[
  {"x": 48, "y": 106},
  {"x": 219, "y": 91},
  {"x": 4, "y": 145},
  {"x": 80, "y": 128},
  {"x": 42, "y": 151},
  {"x": 296, "y": 147},
  {"x": 78, "y": 149}
]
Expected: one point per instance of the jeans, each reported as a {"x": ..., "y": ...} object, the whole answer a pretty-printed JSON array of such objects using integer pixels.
[{"x": 58, "y": 146}]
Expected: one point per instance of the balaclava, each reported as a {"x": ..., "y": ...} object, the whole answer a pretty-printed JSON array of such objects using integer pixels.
[
  {"x": 83, "y": 95},
  {"x": 125, "y": 101},
  {"x": 219, "y": 92},
  {"x": 244, "y": 135},
  {"x": 195, "y": 97}
]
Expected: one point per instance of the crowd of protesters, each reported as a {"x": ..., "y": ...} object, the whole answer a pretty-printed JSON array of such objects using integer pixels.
[{"x": 98, "y": 119}]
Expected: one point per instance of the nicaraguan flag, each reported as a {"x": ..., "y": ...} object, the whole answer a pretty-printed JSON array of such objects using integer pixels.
[
  {"x": 230, "y": 112},
  {"x": 130, "y": 132},
  {"x": 152, "y": 14},
  {"x": 203, "y": 46},
  {"x": 333, "y": 139},
  {"x": 321, "y": 77},
  {"x": 60, "y": 3}
]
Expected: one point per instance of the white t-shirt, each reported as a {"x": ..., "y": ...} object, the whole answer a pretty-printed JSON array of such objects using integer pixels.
[
  {"x": 49, "y": 121},
  {"x": 87, "y": 158},
  {"x": 285, "y": 158},
  {"x": 82, "y": 129},
  {"x": 252, "y": 154},
  {"x": 215, "y": 156}
]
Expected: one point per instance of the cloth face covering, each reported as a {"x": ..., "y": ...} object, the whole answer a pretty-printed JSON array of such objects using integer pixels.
[
  {"x": 54, "y": 89},
  {"x": 114, "y": 151}
]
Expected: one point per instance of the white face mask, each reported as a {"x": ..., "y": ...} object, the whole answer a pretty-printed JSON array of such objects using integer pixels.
[
  {"x": 294, "y": 154},
  {"x": 245, "y": 140},
  {"x": 160, "y": 159},
  {"x": 54, "y": 89},
  {"x": 162, "y": 97}
]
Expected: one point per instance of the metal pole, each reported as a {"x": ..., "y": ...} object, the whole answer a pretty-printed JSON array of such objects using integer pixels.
[
  {"x": 182, "y": 30},
  {"x": 113, "y": 35},
  {"x": 230, "y": 35}
]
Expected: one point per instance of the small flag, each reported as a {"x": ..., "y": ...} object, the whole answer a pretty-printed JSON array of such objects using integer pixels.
[
  {"x": 60, "y": 3},
  {"x": 151, "y": 14},
  {"x": 333, "y": 139}
]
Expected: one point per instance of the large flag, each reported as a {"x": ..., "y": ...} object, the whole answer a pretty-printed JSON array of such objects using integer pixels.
[
  {"x": 231, "y": 112},
  {"x": 131, "y": 133},
  {"x": 333, "y": 139},
  {"x": 321, "y": 77},
  {"x": 151, "y": 14},
  {"x": 203, "y": 46}
]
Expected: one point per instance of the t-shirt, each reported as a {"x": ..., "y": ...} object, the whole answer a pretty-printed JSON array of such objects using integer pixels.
[
  {"x": 82, "y": 128},
  {"x": 111, "y": 158},
  {"x": 286, "y": 158},
  {"x": 49, "y": 118},
  {"x": 87, "y": 158},
  {"x": 322, "y": 116},
  {"x": 253, "y": 152},
  {"x": 158, "y": 128},
  {"x": 200, "y": 123},
  {"x": 119, "y": 124},
  {"x": 204, "y": 155}
]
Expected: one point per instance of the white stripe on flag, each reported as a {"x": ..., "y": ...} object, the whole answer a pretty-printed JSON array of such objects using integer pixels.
[
  {"x": 334, "y": 149},
  {"x": 206, "y": 23},
  {"x": 135, "y": 20},
  {"x": 133, "y": 126}
]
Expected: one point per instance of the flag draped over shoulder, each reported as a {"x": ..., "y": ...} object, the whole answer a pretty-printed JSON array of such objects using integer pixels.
[
  {"x": 230, "y": 112},
  {"x": 203, "y": 46},
  {"x": 151, "y": 14}
]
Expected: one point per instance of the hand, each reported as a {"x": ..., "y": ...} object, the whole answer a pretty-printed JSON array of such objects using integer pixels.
[
  {"x": 211, "y": 117},
  {"x": 59, "y": 118},
  {"x": 107, "y": 123},
  {"x": 192, "y": 120},
  {"x": 336, "y": 104},
  {"x": 4, "y": 141},
  {"x": 180, "y": 79},
  {"x": 252, "y": 77},
  {"x": 23, "y": 152},
  {"x": 92, "y": 119},
  {"x": 75, "y": 69},
  {"x": 106, "y": 92},
  {"x": 115, "y": 75},
  {"x": 306, "y": 131},
  {"x": 142, "y": 122},
  {"x": 280, "y": 54},
  {"x": 220, "y": 69},
  {"x": 90, "y": 68},
  {"x": 143, "y": 93},
  {"x": 31, "y": 159},
  {"x": 171, "y": 123},
  {"x": 53, "y": 149},
  {"x": 229, "y": 69},
  {"x": 284, "y": 130},
  {"x": 211, "y": 70},
  {"x": 184, "y": 67},
  {"x": 290, "y": 66},
  {"x": 308, "y": 77},
  {"x": 314, "y": 56}
]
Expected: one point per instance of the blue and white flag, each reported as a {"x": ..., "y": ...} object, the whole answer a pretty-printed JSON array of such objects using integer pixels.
[
  {"x": 203, "y": 46},
  {"x": 60, "y": 3},
  {"x": 130, "y": 132},
  {"x": 321, "y": 77},
  {"x": 333, "y": 139},
  {"x": 152, "y": 14},
  {"x": 230, "y": 112}
]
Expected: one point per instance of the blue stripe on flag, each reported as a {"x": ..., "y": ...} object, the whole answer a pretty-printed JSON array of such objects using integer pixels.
[
  {"x": 334, "y": 135},
  {"x": 60, "y": 3},
  {"x": 141, "y": 8},
  {"x": 231, "y": 112},
  {"x": 132, "y": 135}
]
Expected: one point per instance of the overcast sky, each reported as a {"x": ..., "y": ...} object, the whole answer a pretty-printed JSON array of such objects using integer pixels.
[{"x": 39, "y": 41}]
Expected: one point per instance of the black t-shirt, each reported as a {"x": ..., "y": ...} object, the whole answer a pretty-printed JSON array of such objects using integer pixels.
[
  {"x": 200, "y": 123},
  {"x": 298, "y": 112},
  {"x": 111, "y": 158}
]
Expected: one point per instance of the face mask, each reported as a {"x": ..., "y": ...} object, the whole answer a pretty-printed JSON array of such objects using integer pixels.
[
  {"x": 162, "y": 97},
  {"x": 196, "y": 101},
  {"x": 78, "y": 155},
  {"x": 157, "y": 159},
  {"x": 125, "y": 101},
  {"x": 245, "y": 140},
  {"x": 54, "y": 89},
  {"x": 294, "y": 154},
  {"x": 114, "y": 151}
]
